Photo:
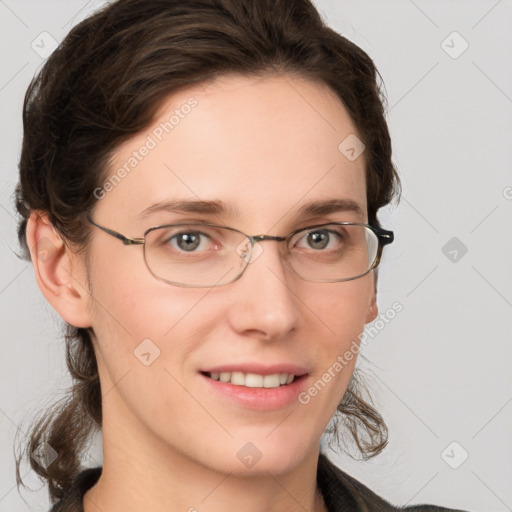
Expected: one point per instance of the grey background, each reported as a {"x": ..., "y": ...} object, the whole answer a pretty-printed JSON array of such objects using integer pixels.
[{"x": 440, "y": 370}]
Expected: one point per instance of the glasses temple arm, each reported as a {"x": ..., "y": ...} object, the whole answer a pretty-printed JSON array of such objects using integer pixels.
[{"x": 119, "y": 236}]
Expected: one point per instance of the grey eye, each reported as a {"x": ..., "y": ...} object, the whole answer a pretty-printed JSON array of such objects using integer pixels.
[
  {"x": 319, "y": 239},
  {"x": 188, "y": 241}
]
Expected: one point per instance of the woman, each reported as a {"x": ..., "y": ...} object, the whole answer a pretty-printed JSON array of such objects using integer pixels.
[{"x": 199, "y": 188}]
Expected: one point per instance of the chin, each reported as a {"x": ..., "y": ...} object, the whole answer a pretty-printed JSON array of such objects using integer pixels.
[{"x": 257, "y": 455}]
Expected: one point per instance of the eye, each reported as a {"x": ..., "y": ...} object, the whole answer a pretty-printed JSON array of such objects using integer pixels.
[
  {"x": 188, "y": 240},
  {"x": 321, "y": 239}
]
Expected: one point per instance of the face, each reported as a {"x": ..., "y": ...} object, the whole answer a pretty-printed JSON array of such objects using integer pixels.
[{"x": 265, "y": 148}]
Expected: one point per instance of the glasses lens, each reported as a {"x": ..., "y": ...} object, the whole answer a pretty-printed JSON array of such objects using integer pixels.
[
  {"x": 200, "y": 255},
  {"x": 333, "y": 252},
  {"x": 196, "y": 254}
]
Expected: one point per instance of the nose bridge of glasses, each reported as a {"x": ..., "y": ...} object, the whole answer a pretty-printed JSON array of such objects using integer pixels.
[
  {"x": 259, "y": 238},
  {"x": 253, "y": 243},
  {"x": 262, "y": 238}
]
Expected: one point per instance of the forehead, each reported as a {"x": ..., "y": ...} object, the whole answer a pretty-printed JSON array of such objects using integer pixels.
[{"x": 263, "y": 145}]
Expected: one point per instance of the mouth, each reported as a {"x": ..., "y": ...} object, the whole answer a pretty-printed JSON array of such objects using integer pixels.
[
  {"x": 256, "y": 386},
  {"x": 253, "y": 380}
]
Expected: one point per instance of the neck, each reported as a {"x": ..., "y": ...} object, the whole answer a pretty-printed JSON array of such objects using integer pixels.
[
  {"x": 141, "y": 472},
  {"x": 182, "y": 486}
]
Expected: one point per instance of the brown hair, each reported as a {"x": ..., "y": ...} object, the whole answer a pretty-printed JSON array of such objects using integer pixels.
[{"x": 105, "y": 82}]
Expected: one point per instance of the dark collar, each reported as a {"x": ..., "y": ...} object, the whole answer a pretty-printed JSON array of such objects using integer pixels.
[{"x": 342, "y": 493}]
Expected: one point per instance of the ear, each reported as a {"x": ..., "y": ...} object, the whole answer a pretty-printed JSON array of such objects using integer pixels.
[
  {"x": 60, "y": 273},
  {"x": 373, "y": 310}
]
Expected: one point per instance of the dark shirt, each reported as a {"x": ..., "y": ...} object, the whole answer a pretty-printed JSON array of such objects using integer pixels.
[{"x": 341, "y": 492}]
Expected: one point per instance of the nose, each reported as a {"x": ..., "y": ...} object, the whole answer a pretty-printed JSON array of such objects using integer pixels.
[{"x": 262, "y": 301}]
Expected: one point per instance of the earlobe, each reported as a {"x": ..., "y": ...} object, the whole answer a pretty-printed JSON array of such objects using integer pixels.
[
  {"x": 373, "y": 311},
  {"x": 58, "y": 271}
]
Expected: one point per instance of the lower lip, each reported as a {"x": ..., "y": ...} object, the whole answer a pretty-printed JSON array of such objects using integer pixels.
[{"x": 260, "y": 399}]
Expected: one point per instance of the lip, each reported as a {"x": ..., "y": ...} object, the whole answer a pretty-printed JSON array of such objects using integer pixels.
[
  {"x": 258, "y": 399},
  {"x": 260, "y": 369}
]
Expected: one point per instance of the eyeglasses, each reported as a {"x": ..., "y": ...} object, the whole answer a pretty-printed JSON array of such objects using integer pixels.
[{"x": 206, "y": 255}]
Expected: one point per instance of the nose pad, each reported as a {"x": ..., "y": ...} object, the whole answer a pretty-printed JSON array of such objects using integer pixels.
[{"x": 244, "y": 251}]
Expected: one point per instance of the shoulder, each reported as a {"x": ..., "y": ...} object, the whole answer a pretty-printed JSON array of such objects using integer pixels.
[
  {"x": 343, "y": 492},
  {"x": 430, "y": 508},
  {"x": 72, "y": 500}
]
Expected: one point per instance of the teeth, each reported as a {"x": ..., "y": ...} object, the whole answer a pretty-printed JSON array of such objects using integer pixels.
[
  {"x": 271, "y": 381},
  {"x": 253, "y": 380},
  {"x": 238, "y": 379}
]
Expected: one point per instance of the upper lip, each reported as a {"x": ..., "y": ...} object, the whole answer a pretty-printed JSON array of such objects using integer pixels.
[{"x": 260, "y": 369}]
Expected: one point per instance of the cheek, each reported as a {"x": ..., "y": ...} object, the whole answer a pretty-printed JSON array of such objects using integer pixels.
[
  {"x": 131, "y": 312},
  {"x": 340, "y": 313},
  {"x": 135, "y": 314},
  {"x": 145, "y": 331},
  {"x": 129, "y": 305},
  {"x": 342, "y": 308}
]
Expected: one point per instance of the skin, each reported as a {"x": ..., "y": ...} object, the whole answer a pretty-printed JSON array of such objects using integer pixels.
[{"x": 266, "y": 144}]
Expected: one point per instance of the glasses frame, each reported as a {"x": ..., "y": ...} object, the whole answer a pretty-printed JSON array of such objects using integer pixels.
[{"x": 384, "y": 238}]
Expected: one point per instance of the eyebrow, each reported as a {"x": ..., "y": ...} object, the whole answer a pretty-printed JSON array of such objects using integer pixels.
[{"x": 319, "y": 207}]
